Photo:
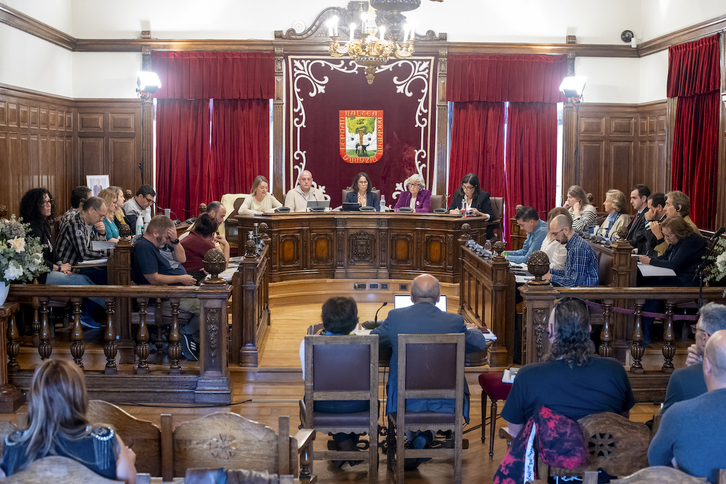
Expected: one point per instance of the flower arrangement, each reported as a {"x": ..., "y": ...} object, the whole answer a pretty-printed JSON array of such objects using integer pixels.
[
  {"x": 21, "y": 256},
  {"x": 716, "y": 269}
]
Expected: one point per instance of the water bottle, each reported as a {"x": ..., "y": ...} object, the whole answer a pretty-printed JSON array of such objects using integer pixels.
[
  {"x": 139, "y": 225},
  {"x": 488, "y": 245},
  {"x": 463, "y": 208},
  {"x": 383, "y": 203}
]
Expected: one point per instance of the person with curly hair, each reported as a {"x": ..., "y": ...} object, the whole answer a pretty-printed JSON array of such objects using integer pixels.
[{"x": 572, "y": 380}]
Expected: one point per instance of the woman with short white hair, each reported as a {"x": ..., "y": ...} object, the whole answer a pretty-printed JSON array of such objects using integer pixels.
[{"x": 415, "y": 196}]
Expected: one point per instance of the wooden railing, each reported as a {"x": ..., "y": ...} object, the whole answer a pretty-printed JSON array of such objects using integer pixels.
[{"x": 126, "y": 382}]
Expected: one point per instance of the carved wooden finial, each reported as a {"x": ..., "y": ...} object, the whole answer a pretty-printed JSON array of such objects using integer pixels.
[
  {"x": 499, "y": 247},
  {"x": 202, "y": 208},
  {"x": 538, "y": 265},
  {"x": 214, "y": 263},
  {"x": 250, "y": 246}
]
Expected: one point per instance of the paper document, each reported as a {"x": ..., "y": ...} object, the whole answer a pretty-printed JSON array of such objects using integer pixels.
[
  {"x": 522, "y": 279},
  {"x": 92, "y": 262},
  {"x": 509, "y": 375},
  {"x": 489, "y": 336},
  {"x": 653, "y": 271},
  {"x": 102, "y": 245}
]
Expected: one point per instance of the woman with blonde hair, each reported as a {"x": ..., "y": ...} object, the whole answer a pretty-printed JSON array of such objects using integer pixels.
[
  {"x": 614, "y": 205},
  {"x": 260, "y": 201},
  {"x": 58, "y": 425},
  {"x": 120, "y": 219},
  {"x": 415, "y": 196},
  {"x": 110, "y": 196},
  {"x": 581, "y": 209}
]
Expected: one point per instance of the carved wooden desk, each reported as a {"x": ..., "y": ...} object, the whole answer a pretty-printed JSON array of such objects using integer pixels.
[{"x": 345, "y": 245}]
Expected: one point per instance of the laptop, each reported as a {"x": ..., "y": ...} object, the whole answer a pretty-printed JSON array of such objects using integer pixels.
[
  {"x": 351, "y": 206},
  {"x": 318, "y": 205},
  {"x": 404, "y": 301}
]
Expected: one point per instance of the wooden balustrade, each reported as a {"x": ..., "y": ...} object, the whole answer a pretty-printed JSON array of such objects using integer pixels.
[
  {"x": 10, "y": 396},
  {"x": 539, "y": 300},
  {"x": 121, "y": 381}
]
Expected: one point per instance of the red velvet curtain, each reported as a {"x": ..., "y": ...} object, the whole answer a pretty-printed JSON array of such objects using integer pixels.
[
  {"x": 694, "y": 77},
  {"x": 531, "y": 155},
  {"x": 182, "y": 154},
  {"x": 477, "y": 146},
  {"x": 240, "y": 146},
  {"x": 196, "y": 163}
]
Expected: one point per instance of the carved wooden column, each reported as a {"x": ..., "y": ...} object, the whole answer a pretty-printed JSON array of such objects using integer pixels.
[
  {"x": 109, "y": 335},
  {"x": 278, "y": 121},
  {"x": 44, "y": 348},
  {"x": 77, "y": 346},
  {"x": 442, "y": 126},
  {"x": 669, "y": 349},
  {"x": 146, "y": 164},
  {"x": 624, "y": 273},
  {"x": 122, "y": 319},
  {"x": 463, "y": 276},
  {"x": 248, "y": 333},
  {"x": 539, "y": 299},
  {"x": 142, "y": 338},
  {"x": 502, "y": 350},
  {"x": 637, "y": 350},
  {"x": 10, "y": 397}
]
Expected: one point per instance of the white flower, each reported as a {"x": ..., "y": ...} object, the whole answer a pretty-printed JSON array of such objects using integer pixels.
[
  {"x": 721, "y": 262},
  {"x": 13, "y": 272},
  {"x": 17, "y": 244}
]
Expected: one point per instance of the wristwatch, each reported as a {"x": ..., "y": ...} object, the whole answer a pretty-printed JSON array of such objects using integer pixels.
[{"x": 175, "y": 242}]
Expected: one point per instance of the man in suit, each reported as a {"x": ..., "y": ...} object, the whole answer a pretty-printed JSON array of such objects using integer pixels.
[
  {"x": 636, "y": 230},
  {"x": 654, "y": 217},
  {"x": 687, "y": 383}
]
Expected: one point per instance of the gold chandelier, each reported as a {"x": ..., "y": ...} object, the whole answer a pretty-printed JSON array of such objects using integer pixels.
[{"x": 372, "y": 49}]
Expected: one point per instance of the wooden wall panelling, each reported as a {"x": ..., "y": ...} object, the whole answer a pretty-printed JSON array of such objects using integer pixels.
[{"x": 652, "y": 131}]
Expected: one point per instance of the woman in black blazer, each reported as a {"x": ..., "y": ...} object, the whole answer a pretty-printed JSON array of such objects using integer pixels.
[
  {"x": 683, "y": 255},
  {"x": 476, "y": 198},
  {"x": 362, "y": 192}
]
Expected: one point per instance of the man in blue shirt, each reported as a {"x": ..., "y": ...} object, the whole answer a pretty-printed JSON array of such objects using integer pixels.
[
  {"x": 536, "y": 229},
  {"x": 581, "y": 266}
]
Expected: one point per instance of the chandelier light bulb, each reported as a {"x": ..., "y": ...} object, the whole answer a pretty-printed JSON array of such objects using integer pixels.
[
  {"x": 352, "y": 32},
  {"x": 382, "y": 31}
]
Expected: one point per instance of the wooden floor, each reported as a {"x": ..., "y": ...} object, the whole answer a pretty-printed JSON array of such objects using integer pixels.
[{"x": 275, "y": 388}]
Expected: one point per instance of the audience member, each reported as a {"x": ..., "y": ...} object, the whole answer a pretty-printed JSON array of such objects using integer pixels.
[
  {"x": 297, "y": 198},
  {"x": 690, "y": 436},
  {"x": 57, "y": 407},
  {"x": 362, "y": 192},
  {"x": 139, "y": 205},
  {"x": 74, "y": 239},
  {"x": 201, "y": 240},
  {"x": 556, "y": 252},
  {"x": 536, "y": 229},
  {"x": 656, "y": 244},
  {"x": 636, "y": 230},
  {"x": 687, "y": 383},
  {"x": 110, "y": 196},
  {"x": 340, "y": 317},
  {"x": 78, "y": 196},
  {"x": 149, "y": 266},
  {"x": 683, "y": 255},
  {"x": 678, "y": 203},
  {"x": 581, "y": 266},
  {"x": 415, "y": 195},
  {"x": 424, "y": 318},
  {"x": 572, "y": 380},
  {"x": 217, "y": 211},
  {"x": 614, "y": 205},
  {"x": 119, "y": 218},
  {"x": 583, "y": 213},
  {"x": 260, "y": 200}
]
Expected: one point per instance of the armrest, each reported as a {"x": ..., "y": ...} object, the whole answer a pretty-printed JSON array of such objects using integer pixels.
[
  {"x": 304, "y": 437},
  {"x": 504, "y": 434}
]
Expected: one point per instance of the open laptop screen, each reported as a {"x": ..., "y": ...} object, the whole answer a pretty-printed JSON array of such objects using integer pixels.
[{"x": 404, "y": 301}]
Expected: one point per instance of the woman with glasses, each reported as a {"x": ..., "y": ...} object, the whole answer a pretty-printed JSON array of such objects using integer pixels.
[
  {"x": 416, "y": 196},
  {"x": 614, "y": 205},
  {"x": 683, "y": 255},
  {"x": 579, "y": 203},
  {"x": 362, "y": 192},
  {"x": 471, "y": 197}
]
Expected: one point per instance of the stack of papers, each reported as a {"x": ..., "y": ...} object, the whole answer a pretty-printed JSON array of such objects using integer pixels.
[
  {"x": 509, "y": 375},
  {"x": 652, "y": 271}
]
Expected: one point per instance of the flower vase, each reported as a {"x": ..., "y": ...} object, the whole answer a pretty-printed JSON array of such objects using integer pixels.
[{"x": 4, "y": 288}]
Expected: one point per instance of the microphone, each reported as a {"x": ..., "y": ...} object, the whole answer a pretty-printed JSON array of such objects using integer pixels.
[
  {"x": 719, "y": 233},
  {"x": 158, "y": 207},
  {"x": 374, "y": 324}
]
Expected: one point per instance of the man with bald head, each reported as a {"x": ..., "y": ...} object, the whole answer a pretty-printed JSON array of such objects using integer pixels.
[
  {"x": 581, "y": 266},
  {"x": 424, "y": 318},
  {"x": 691, "y": 434},
  {"x": 297, "y": 198}
]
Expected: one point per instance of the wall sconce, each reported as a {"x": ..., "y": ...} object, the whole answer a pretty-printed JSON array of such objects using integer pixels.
[
  {"x": 147, "y": 82},
  {"x": 572, "y": 87}
]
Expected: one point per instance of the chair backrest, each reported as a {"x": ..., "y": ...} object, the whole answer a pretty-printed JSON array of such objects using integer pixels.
[
  {"x": 431, "y": 366},
  {"x": 6, "y": 428},
  {"x": 341, "y": 368},
  {"x": 616, "y": 445},
  {"x": 58, "y": 470},
  {"x": 141, "y": 435},
  {"x": 346, "y": 191},
  {"x": 437, "y": 201},
  {"x": 231, "y": 441},
  {"x": 237, "y": 204},
  {"x": 497, "y": 207},
  {"x": 660, "y": 475}
]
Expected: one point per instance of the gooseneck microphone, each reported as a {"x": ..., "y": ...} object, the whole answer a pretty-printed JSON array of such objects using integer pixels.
[{"x": 374, "y": 324}]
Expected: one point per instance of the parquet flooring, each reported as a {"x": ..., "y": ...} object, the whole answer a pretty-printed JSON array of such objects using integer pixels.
[{"x": 259, "y": 399}]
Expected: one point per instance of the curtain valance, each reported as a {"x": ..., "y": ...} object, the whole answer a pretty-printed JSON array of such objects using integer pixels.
[{"x": 694, "y": 68}]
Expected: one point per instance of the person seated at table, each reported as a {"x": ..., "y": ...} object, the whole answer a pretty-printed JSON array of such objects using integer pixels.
[
  {"x": 581, "y": 209},
  {"x": 215, "y": 210},
  {"x": 678, "y": 203},
  {"x": 477, "y": 200},
  {"x": 110, "y": 196},
  {"x": 260, "y": 200},
  {"x": 340, "y": 317},
  {"x": 556, "y": 252},
  {"x": 139, "y": 205},
  {"x": 58, "y": 425},
  {"x": 655, "y": 216},
  {"x": 79, "y": 195},
  {"x": 572, "y": 380},
  {"x": 536, "y": 229},
  {"x": 581, "y": 266},
  {"x": 199, "y": 241},
  {"x": 416, "y": 196},
  {"x": 149, "y": 266},
  {"x": 74, "y": 239},
  {"x": 362, "y": 193},
  {"x": 297, "y": 198},
  {"x": 119, "y": 218},
  {"x": 614, "y": 205}
]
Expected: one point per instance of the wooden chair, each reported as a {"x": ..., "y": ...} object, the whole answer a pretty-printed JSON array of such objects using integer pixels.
[
  {"x": 142, "y": 436},
  {"x": 418, "y": 378},
  {"x": 437, "y": 201},
  {"x": 660, "y": 475},
  {"x": 6, "y": 428},
  {"x": 58, "y": 470},
  {"x": 497, "y": 212},
  {"x": 231, "y": 441},
  {"x": 343, "y": 368}
]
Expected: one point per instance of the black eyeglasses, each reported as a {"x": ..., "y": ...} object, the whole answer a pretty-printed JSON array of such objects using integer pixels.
[
  {"x": 696, "y": 329},
  {"x": 150, "y": 200}
]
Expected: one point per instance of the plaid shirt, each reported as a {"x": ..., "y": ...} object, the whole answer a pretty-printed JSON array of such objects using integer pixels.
[
  {"x": 581, "y": 267},
  {"x": 74, "y": 242}
]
